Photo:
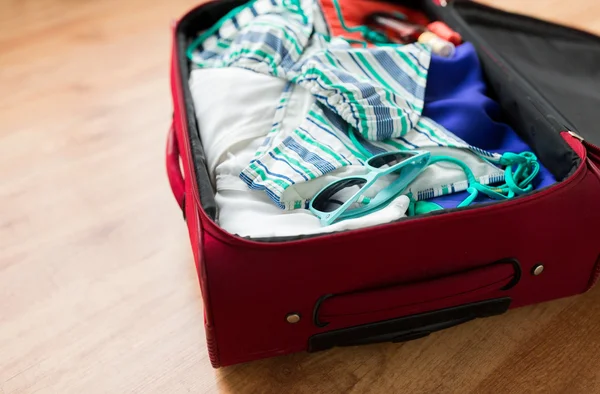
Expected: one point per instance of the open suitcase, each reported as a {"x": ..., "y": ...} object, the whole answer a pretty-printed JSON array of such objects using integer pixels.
[{"x": 349, "y": 288}]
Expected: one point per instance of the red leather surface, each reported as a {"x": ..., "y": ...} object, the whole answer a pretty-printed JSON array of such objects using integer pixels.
[{"x": 249, "y": 287}]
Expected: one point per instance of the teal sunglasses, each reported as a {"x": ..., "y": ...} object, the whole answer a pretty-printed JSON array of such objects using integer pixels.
[{"x": 344, "y": 198}]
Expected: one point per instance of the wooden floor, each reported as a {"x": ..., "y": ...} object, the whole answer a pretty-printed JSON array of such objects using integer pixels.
[{"x": 98, "y": 292}]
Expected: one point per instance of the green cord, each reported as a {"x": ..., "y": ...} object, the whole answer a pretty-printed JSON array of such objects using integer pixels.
[
  {"x": 338, "y": 10},
  {"x": 518, "y": 181},
  {"x": 369, "y": 34}
]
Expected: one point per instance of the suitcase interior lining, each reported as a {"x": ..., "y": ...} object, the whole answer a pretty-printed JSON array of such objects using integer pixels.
[
  {"x": 522, "y": 112},
  {"x": 562, "y": 64}
]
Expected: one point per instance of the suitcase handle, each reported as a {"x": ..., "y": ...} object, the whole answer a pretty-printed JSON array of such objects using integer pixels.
[
  {"x": 408, "y": 328},
  {"x": 174, "y": 169},
  {"x": 346, "y": 309}
]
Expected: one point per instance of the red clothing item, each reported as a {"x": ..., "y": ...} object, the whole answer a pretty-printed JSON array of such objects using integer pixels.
[{"x": 357, "y": 12}]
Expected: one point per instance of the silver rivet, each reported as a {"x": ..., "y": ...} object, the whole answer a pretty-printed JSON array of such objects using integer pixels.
[
  {"x": 537, "y": 270},
  {"x": 293, "y": 318}
]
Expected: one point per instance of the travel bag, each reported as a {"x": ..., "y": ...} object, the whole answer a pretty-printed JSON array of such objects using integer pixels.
[{"x": 407, "y": 279}]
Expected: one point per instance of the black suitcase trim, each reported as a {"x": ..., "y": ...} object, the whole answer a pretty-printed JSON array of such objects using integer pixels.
[{"x": 408, "y": 328}]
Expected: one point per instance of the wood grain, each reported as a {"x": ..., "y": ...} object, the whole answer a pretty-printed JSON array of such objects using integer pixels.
[{"x": 98, "y": 291}]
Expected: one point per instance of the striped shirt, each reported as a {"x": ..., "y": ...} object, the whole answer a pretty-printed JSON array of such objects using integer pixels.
[{"x": 372, "y": 95}]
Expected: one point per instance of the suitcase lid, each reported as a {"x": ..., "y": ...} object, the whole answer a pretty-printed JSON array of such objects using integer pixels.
[{"x": 557, "y": 67}]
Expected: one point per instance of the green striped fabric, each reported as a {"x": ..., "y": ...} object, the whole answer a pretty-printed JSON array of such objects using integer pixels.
[{"x": 368, "y": 100}]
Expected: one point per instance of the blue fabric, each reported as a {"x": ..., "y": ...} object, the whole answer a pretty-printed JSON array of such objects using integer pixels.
[{"x": 455, "y": 98}]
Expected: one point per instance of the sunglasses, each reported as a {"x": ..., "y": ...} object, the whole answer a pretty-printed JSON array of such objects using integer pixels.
[{"x": 344, "y": 198}]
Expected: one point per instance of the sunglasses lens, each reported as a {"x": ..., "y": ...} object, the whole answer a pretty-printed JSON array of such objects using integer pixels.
[
  {"x": 390, "y": 159},
  {"x": 337, "y": 193}
]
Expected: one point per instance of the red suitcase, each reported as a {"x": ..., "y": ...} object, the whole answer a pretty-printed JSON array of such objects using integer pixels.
[{"x": 345, "y": 288}]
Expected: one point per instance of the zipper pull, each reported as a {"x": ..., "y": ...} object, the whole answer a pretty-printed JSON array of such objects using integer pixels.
[{"x": 575, "y": 135}]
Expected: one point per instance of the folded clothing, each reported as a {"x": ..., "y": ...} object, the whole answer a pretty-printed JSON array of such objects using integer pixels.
[
  {"x": 231, "y": 140},
  {"x": 233, "y": 106},
  {"x": 375, "y": 94},
  {"x": 235, "y": 117}
]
